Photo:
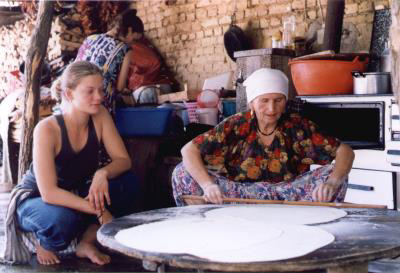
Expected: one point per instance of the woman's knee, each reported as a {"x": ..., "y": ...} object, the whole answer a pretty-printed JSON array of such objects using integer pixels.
[
  {"x": 182, "y": 179},
  {"x": 182, "y": 183},
  {"x": 177, "y": 173},
  {"x": 35, "y": 214},
  {"x": 323, "y": 171},
  {"x": 55, "y": 226}
]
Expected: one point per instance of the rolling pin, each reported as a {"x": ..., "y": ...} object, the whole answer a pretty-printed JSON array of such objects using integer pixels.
[{"x": 297, "y": 203}]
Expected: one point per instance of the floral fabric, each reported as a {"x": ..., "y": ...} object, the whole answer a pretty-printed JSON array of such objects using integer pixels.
[
  {"x": 232, "y": 149},
  {"x": 298, "y": 189},
  {"x": 98, "y": 49}
]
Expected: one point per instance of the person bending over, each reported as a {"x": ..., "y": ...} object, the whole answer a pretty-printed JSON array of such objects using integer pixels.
[{"x": 111, "y": 52}]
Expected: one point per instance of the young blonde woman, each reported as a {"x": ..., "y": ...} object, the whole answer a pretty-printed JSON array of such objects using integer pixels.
[{"x": 67, "y": 196}]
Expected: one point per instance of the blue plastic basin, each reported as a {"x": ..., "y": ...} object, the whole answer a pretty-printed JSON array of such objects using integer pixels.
[{"x": 134, "y": 121}]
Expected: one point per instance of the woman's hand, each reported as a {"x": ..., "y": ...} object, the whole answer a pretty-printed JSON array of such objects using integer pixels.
[
  {"x": 325, "y": 191},
  {"x": 212, "y": 193},
  {"x": 104, "y": 217},
  {"x": 98, "y": 191}
]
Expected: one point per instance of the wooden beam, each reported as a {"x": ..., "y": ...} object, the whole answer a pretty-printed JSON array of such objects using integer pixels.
[
  {"x": 395, "y": 48},
  {"x": 33, "y": 70},
  {"x": 333, "y": 25}
]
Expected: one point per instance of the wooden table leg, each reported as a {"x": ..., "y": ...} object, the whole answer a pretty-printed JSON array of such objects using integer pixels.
[
  {"x": 150, "y": 266},
  {"x": 357, "y": 268},
  {"x": 161, "y": 268},
  {"x": 153, "y": 266}
]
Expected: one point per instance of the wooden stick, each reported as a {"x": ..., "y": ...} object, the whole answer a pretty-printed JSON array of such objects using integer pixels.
[{"x": 297, "y": 203}]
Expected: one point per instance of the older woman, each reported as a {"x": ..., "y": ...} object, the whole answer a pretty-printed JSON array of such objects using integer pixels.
[{"x": 264, "y": 153}]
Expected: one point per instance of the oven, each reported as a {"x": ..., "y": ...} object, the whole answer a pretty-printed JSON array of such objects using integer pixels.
[
  {"x": 359, "y": 124},
  {"x": 370, "y": 124}
]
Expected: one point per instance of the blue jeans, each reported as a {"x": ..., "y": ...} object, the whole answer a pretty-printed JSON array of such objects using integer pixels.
[{"x": 56, "y": 226}]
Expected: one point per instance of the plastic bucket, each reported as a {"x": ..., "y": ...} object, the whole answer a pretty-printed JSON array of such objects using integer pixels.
[
  {"x": 191, "y": 111},
  {"x": 208, "y": 116},
  {"x": 228, "y": 108}
]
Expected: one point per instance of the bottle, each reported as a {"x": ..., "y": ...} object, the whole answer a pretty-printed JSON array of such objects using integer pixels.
[
  {"x": 277, "y": 40},
  {"x": 299, "y": 45},
  {"x": 385, "y": 62},
  {"x": 288, "y": 32}
]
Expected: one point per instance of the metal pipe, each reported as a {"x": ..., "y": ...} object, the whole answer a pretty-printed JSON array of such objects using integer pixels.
[{"x": 333, "y": 25}]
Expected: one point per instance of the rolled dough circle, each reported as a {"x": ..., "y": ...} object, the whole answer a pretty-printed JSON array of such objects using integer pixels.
[
  {"x": 237, "y": 234},
  {"x": 283, "y": 214},
  {"x": 295, "y": 241},
  {"x": 194, "y": 235}
]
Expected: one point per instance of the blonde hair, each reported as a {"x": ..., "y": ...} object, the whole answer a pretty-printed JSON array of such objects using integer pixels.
[{"x": 72, "y": 76}]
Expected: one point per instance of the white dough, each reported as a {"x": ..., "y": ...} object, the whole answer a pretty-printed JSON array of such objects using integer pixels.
[
  {"x": 193, "y": 235},
  {"x": 237, "y": 234},
  {"x": 283, "y": 214},
  {"x": 296, "y": 241}
]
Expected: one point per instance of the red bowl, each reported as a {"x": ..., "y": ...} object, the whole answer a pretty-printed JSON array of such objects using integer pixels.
[{"x": 325, "y": 77}]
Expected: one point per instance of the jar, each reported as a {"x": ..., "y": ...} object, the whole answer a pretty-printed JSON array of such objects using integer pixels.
[
  {"x": 299, "y": 45},
  {"x": 277, "y": 40}
]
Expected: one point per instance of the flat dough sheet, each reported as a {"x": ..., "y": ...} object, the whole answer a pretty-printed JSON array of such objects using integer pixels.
[
  {"x": 194, "y": 235},
  {"x": 282, "y": 214},
  {"x": 237, "y": 234},
  {"x": 295, "y": 241}
]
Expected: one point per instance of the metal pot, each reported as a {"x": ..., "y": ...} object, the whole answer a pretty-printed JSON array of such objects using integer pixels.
[
  {"x": 371, "y": 83},
  {"x": 235, "y": 40},
  {"x": 385, "y": 63}
]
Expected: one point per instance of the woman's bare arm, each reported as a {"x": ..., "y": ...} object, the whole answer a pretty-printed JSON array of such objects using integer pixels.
[
  {"x": 120, "y": 160},
  {"x": 123, "y": 73},
  {"x": 193, "y": 163},
  {"x": 343, "y": 162}
]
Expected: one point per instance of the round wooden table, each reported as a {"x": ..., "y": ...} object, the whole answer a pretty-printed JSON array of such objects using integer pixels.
[{"x": 362, "y": 236}]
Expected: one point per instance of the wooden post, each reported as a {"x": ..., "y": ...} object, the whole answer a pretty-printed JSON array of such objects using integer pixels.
[
  {"x": 333, "y": 25},
  {"x": 395, "y": 48},
  {"x": 33, "y": 71}
]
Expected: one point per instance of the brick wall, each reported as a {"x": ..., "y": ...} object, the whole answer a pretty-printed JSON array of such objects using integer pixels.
[{"x": 189, "y": 33}]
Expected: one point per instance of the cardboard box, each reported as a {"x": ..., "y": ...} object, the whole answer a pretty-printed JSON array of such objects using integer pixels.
[{"x": 184, "y": 95}]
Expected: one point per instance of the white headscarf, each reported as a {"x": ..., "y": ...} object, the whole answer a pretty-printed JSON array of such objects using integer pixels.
[{"x": 265, "y": 81}]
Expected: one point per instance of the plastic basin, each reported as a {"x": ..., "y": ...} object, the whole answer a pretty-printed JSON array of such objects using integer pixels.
[
  {"x": 134, "y": 121},
  {"x": 324, "y": 77}
]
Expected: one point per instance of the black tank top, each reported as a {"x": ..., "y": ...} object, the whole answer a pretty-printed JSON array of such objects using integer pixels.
[{"x": 73, "y": 169}]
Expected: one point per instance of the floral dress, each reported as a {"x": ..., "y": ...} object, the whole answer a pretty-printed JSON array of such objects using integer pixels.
[
  {"x": 244, "y": 167},
  {"x": 108, "y": 53}
]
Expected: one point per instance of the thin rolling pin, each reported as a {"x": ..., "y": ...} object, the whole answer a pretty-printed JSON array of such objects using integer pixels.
[{"x": 298, "y": 203}]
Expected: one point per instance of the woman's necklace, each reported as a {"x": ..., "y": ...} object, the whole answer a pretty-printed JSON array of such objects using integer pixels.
[{"x": 258, "y": 129}]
